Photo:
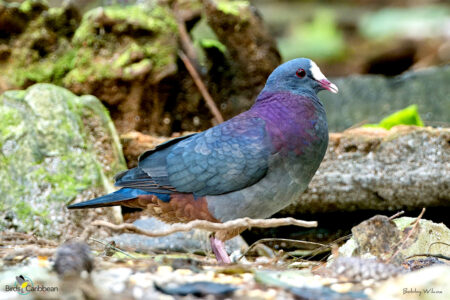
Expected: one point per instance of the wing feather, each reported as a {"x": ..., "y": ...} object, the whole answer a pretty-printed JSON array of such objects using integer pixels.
[{"x": 222, "y": 159}]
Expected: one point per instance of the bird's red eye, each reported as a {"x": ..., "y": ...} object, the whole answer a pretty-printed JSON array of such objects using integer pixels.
[{"x": 300, "y": 73}]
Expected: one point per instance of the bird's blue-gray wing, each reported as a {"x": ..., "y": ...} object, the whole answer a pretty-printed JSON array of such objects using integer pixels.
[{"x": 225, "y": 158}]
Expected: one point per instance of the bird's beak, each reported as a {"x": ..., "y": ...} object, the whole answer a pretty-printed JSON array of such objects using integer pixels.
[{"x": 326, "y": 84}]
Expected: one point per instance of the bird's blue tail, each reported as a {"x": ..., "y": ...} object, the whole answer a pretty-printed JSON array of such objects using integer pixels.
[{"x": 116, "y": 197}]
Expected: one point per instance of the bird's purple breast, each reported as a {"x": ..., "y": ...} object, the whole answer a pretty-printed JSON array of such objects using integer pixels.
[{"x": 294, "y": 123}]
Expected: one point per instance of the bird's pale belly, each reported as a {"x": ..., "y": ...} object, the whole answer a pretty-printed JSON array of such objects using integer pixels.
[{"x": 281, "y": 186}]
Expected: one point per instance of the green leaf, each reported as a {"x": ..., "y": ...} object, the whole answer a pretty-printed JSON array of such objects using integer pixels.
[{"x": 407, "y": 116}]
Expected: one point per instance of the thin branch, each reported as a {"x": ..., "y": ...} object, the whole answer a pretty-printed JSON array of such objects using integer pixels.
[
  {"x": 324, "y": 248},
  {"x": 262, "y": 241},
  {"x": 430, "y": 255},
  {"x": 396, "y": 215},
  {"x": 13, "y": 237},
  {"x": 209, "y": 226},
  {"x": 185, "y": 39},
  {"x": 31, "y": 251},
  {"x": 359, "y": 124},
  {"x": 108, "y": 245},
  {"x": 201, "y": 87},
  {"x": 435, "y": 243},
  {"x": 400, "y": 247}
]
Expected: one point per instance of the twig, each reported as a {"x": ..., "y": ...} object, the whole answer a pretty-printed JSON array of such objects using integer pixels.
[
  {"x": 31, "y": 251},
  {"x": 434, "y": 243},
  {"x": 201, "y": 87},
  {"x": 27, "y": 238},
  {"x": 400, "y": 247},
  {"x": 112, "y": 247},
  {"x": 87, "y": 232},
  {"x": 185, "y": 39},
  {"x": 322, "y": 249},
  {"x": 359, "y": 124},
  {"x": 262, "y": 241},
  {"x": 430, "y": 255},
  {"x": 209, "y": 226},
  {"x": 396, "y": 215}
]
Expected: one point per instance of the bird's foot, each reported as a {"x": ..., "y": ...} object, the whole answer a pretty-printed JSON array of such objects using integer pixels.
[{"x": 218, "y": 247}]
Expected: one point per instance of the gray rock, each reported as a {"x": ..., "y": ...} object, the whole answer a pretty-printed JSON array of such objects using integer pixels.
[
  {"x": 380, "y": 238},
  {"x": 54, "y": 147},
  {"x": 192, "y": 241},
  {"x": 405, "y": 167},
  {"x": 357, "y": 269},
  {"x": 369, "y": 98}
]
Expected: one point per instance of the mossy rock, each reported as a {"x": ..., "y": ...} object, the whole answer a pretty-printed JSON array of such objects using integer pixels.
[
  {"x": 383, "y": 239},
  {"x": 111, "y": 52},
  {"x": 37, "y": 43},
  {"x": 56, "y": 45},
  {"x": 124, "y": 42},
  {"x": 54, "y": 146}
]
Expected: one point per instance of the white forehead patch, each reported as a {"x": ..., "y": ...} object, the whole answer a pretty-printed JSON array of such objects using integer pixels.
[{"x": 315, "y": 71}]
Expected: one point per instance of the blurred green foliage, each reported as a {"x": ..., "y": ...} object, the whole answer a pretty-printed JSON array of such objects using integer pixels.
[
  {"x": 318, "y": 39},
  {"x": 213, "y": 43},
  {"x": 410, "y": 21},
  {"x": 407, "y": 116}
]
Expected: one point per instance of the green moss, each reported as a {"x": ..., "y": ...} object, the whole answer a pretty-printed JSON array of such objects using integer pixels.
[
  {"x": 93, "y": 72},
  {"x": 10, "y": 121},
  {"x": 142, "y": 67},
  {"x": 97, "y": 49},
  {"x": 143, "y": 36},
  {"x": 157, "y": 19},
  {"x": 66, "y": 181},
  {"x": 52, "y": 69},
  {"x": 161, "y": 54},
  {"x": 84, "y": 33},
  {"x": 25, "y": 210},
  {"x": 84, "y": 67},
  {"x": 40, "y": 55},
  {"x": 133, "y": 50},
  {"x": 231, "y": 7},
  {"x": 63, "y": 65},
  {"x": 407, "y": 116},
  {"x": 89, "y": 67},
  {"x": 212, "y": 43},
  {"x": 27, "y": 6}
]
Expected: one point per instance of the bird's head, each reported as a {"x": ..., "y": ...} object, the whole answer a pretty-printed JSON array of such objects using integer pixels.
[{"x": 299, "y": 75}]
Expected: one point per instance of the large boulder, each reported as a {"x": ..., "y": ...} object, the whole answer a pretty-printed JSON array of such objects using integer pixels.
[
  {"x": 377, "y": 169},
  {"x": 55, "y": 147}
]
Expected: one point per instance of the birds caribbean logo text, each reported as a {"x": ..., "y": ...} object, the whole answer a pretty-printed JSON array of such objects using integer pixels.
[{"x": 22, "y": 282}]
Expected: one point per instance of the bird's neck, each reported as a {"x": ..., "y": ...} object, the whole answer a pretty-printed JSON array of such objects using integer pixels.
[
  {"x": 294, "y": 122},
  {"x": 295, "y": 91}
]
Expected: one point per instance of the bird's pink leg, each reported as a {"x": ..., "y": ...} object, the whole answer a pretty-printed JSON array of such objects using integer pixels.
[{"x": 218, "y": 247}]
